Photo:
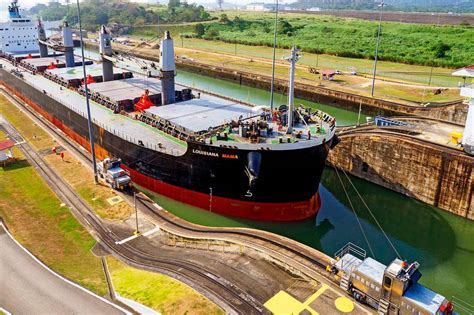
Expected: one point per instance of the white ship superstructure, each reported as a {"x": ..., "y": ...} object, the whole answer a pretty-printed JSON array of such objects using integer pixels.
[{"x": 19, "y": 34}]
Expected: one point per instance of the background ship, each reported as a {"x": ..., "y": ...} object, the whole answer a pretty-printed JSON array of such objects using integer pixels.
[{"x": 207, "y": 151}]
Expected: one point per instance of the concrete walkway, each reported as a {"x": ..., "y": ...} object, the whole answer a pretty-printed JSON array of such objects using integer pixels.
[{"x": 27, "y": 287}]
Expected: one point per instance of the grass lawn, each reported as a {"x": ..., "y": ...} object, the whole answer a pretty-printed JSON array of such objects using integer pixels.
[
  {"x": 80, "y": 179},
  {"x": 158, "y": 292},
  {"x": 34, "y": 215},
  {"x": 385, "y": 69}
]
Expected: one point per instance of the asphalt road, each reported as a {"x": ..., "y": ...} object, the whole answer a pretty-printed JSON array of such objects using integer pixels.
[{"x": 26, "y": 287}]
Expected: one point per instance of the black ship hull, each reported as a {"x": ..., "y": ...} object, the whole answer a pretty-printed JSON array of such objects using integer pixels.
[{"x": 206, "y": 176}]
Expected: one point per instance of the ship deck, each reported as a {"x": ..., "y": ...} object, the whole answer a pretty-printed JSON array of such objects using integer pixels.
[
  {"x": 122, "y": 126},
  {"x": 198, "y": 115}
]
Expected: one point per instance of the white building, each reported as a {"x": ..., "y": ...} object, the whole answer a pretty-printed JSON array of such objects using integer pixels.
[
  {"x": 19, "y": 34},
  {"x": 260, "y": 6}
]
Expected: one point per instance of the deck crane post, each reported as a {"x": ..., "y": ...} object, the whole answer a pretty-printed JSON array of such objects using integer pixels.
[
  {"x": 43, "y": 48},
  {"x": 68, "y": 46},
  {"x": 168, "y": 69},
  {"x": 105, "y": 49}
]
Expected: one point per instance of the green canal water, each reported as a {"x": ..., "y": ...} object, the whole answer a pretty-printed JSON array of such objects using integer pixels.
[{"x": 443, "y": 243}]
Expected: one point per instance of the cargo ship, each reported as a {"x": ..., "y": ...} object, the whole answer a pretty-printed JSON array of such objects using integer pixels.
[{"x": 208, "y": 151}]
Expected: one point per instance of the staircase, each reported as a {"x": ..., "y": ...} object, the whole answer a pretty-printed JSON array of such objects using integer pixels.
[
  {"x": 383, "y": 307},
  {"x": 345, "y": 281}
]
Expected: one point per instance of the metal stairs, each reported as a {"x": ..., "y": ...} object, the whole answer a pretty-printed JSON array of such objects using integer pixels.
[
  {"x": 345, "y": 282},
  {"x": 383, "y": 307}
]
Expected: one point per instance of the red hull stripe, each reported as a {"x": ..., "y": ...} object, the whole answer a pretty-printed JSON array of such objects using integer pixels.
[{"x": 264, "y": 211}]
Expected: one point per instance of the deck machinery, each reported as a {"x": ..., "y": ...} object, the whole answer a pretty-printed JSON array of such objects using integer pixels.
[{"x": 392, "y": 289}]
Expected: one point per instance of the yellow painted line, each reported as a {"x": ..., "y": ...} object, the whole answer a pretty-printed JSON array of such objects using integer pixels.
[{"x": 313, "y": 297}]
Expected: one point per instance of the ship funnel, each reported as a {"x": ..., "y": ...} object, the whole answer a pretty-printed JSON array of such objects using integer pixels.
[
  {"x": 43, "y": 49},
  {"x": 168, "y": 69},
  {"x": 105, "y": 49},
  {"x": 68, "y": 46}
]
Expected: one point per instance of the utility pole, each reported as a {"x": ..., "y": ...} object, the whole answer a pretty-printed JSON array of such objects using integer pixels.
[
  {"x": 431, "y": 75},
  {"x": 381, "y": 5},
  {"x": 272, "y": 91},
  {"x": 137, "y": 231},
  {"x": 86, "y": 89}
]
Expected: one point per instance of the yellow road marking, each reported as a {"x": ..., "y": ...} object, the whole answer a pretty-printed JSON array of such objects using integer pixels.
[
  {"x": 344, "y": 305},
  {"x": 283, "y": 303}
]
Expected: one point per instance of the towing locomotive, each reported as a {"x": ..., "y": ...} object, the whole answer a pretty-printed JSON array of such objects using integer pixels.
[{"x": 392, "y": 289}]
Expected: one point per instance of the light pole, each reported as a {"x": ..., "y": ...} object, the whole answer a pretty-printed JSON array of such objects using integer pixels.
[
  {"x": 381, "y": 5},
  {"x": 272, "y": 91},
  {"x": 137, "y": 231},
  {"x": 86, "y": 89}
]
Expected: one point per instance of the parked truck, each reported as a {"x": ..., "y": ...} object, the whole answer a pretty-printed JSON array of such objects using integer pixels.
[{"x": 111, "y": 172}]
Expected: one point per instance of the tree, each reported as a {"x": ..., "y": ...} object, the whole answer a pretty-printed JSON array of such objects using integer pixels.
[
  {"x": 285, "y": 28},
  {"x": 224, "y": 19},
  {"x": 200, "y": 30},
  {"x": 440, "y": 49},
  {"x": 173, "y": 4}
]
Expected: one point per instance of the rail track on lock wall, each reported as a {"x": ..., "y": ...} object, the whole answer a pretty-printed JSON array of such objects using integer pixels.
[{"x": 304, "y": 259}]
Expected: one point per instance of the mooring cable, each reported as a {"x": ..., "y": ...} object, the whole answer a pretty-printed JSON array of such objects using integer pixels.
[
  {"x": 355, "y": 214},
  {"x": 373, "y": 216}
]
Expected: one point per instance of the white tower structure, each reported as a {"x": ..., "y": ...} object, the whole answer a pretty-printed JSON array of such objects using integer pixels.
[
  {"x": 467, "y": 91},
  {"x": 168, "y": 69}
]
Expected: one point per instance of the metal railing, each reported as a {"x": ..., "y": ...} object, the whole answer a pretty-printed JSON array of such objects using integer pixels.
[{"x": 352, "y": 249}]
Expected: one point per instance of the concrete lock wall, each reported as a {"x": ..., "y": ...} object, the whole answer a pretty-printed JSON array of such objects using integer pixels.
[{"x": 438, "y": 176}]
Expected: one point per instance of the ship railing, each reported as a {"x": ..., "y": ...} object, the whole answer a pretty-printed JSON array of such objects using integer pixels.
[
  {"x": 352, "y": 249},
  {"x": 461, "y": 306}
]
